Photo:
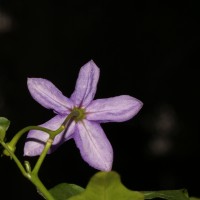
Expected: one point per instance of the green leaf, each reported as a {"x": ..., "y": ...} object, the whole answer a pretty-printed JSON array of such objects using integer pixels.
[
  {"x": 107, "y": 186},
  {"x": 63, "y": 191},
  {"x": 4, "y": 124},
  {"x": 167, "y": 194},
  {"x": 194, "y": 198}
]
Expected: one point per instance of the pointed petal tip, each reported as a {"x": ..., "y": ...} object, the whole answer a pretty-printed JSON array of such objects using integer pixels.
[
  {"x": 91, "y": 65},
  {"x": 91, "y": 62},
  {"x": 106, "y": 167},
  {"x": 137, "y": 106},
  {"x": 140, "y": 104}
]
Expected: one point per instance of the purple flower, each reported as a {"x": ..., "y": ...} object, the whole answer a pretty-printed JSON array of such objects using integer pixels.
[{"x": 86, "y": 131}]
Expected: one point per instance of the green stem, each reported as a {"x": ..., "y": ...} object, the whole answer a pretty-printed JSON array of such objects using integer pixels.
[
  {"x": 42, "y": 189},
  {"x": 14, "y": 157},
  {"x": 19, "y": 134},
  {"x": 42, "y": 156},
  {"x": 65, "y": 124},
  {"x": 52, "y": 134},
  {"x": 33, "y": 175}
]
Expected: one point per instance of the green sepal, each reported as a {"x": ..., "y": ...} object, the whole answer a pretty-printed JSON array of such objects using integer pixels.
[
  {"x": 64, "y": 191},
  {"x": 181, "y": 194},
  {"x": 107, "y": 186},
  {"x": 4, "y": 125}
]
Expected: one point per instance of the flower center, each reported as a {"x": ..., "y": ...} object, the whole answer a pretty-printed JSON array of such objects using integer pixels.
[{"x": 81, "y": 114}]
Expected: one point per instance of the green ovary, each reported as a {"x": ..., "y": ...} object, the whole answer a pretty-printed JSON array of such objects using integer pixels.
[{"x": 81, "y": 115}]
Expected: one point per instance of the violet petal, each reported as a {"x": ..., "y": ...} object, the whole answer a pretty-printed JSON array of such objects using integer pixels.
[
  {"x": 86, "y": 85},
  {"x": 36, "y": 139},
  {"x": 94, "y": 146},
  {"x": 115, "y": 109},
  {"x": 46, "y": 93}
]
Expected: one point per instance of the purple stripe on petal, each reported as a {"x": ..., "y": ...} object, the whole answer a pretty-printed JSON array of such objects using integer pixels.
[
  {"x": 46, "y": 93},
  {"x": 115, "y": 109},
  {"x": 94, "y": 146},
  {"x": 86, "y": 84},
  {"x": 36, "y": 139}
]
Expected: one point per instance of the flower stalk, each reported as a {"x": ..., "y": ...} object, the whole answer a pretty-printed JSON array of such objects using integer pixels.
[{"x": 32, "y": 175}]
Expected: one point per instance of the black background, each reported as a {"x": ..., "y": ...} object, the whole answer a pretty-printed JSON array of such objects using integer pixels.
[{"x": 149, "y": 50}]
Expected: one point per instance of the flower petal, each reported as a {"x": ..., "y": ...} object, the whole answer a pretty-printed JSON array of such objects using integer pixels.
[
  {"x": 86, "y": 84},
  {"x": 36, "y": 139},
  {"x": 115, "y": 109},
  {"x": 94, "y": 146},
  {"x": 46, "y": 93}
]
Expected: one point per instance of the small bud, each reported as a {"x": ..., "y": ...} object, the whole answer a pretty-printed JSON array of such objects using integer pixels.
[{"x": 27, "y": 166}]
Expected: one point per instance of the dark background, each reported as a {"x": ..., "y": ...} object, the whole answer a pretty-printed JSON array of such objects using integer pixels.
[{"x": 148, "y": 50}]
